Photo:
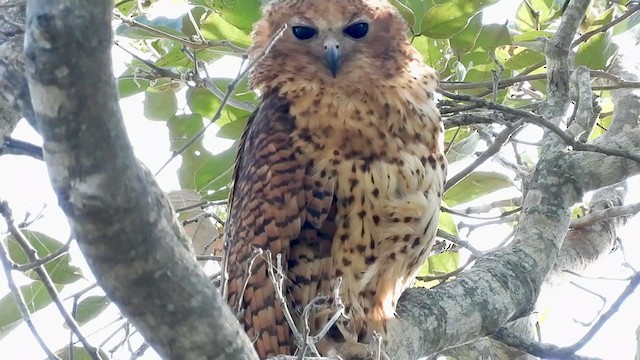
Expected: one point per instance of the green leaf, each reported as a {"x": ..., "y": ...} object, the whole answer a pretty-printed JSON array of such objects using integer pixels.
[
  {"x": 79, "y": 353},
  {"x": 531, "y": 36},
  {"x": 536, "y": 17},
  {"x": 90, "y": 307},
  {"x": 160, "y": 105},
  {"x": 205, "y": 103},
  {"x": 447, "y": 224},
  {"x": 627, "y": 24},
  {"x": 438, "y": 264},
  {"x": 463, "y": 147},
  {"x": 233, "y": 130},
  {"x": 214, "y": 27},
  {"x": 443, "y": 263},
  {"x": 408, "y": 14},
  {"x": 217, "y": 171},
  {"x": 465, "y": 40},
  {"x": 598, "y": 130},
  {"x": 60, "y": 269},
  {"x": 181, "y": 129},
  {"x": 446, "y": 19},
  {"x": 596, "y": 52},
  {"x": 240, "y": 13},
  {"x": 172, "y": 26},
  {"x": 476, "y": 185},
  {"x": 130, "y": 87},
  {"x": 202, "y": 101},
  {"x": 434, "y": 51},
  {"x": 493, "y": 35},
  {"x": 35, "y": 296},
  {"x": 521, "y": 59},
  {"x": 125, "y": 6}
]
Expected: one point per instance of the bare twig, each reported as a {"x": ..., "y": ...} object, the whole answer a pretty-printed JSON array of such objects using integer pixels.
[
  {"x": 541, "y": 121},
  {"x": 600, "y": 215},
  {"x": 18, "y": 147},
  {"x": 42, "y": 261},
  {"x": 194, "y": 44},
  {"x": 256, "y": 252},
  {"x": 463, "y": 85},
  {"x": 46, "y": 280},
  {"x": 493, "y": 149},
  {"x": 22, "y": 306},
  {"x": 501, "y": 216},
  {"x": 449, "y": 274},
  {"x": 552, "y": 351},
  {"x": 462, "y": 243},
  {"x": 277, "y": 279},
  {"x": 230, "y": 90},
  {"x": 603, "y": 302},
  {"x": 338, "y": 305},
  {"x": 586, "y": 36},
  {"x": 513, "y": 202}
]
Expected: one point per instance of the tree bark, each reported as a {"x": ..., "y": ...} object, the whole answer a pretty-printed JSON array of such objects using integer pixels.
[{"x": 123, "y": 223}]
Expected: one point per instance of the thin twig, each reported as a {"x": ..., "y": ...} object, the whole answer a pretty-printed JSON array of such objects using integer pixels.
[
  {"x": 208, "y": 258},
  {"x": 552, "y": 351},
  {"x": 42, "y": 261},
  {"x": 337, "y": 303},
  {"x": 462, "y": 243},
  {"x": 464, "y": 85},
  {"x": 513, "y": 202},
  {"x": 605, "y": 214},
  {"x": 194, "y": 44},
  {"x": 493, "y": 149},
  {"x": 603, "y": 302},
  {"x": 247, "y": 276},
  {"x": 541, "y": 121},
  {"x": 22, "y": 306},
  {"x": 230, "y": 90},
  {"x": 46, "y": 280},
  {"x": 501, "y": 216},
  {"x": 277, "y": 279},
  {"x": 586, "y": 36},
  {"x": 449, "y": 274},
  {"x": 18, "y": 147}
]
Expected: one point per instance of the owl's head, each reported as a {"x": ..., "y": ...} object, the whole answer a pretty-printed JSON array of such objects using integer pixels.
[{"x": 330, "y": 41}]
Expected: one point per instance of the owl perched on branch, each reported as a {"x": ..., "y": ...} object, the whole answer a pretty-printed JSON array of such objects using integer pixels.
[{"x": 340, "y": 171}]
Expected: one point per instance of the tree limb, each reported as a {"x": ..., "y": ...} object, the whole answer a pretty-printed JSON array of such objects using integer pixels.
[{"x": 125, "y": 227}]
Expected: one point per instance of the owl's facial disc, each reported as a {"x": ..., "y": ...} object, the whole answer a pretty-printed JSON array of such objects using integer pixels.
[{"x": 331, "y": 43}]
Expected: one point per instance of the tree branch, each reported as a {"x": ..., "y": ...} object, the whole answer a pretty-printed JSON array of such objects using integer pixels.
[
  {"x": 30, "y": 253},
  {"x": 20, "y": 303},
  {"x": 125, "y": 227}
]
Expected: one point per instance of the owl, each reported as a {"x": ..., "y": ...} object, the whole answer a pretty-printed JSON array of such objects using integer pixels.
[{"x": 340, "y": 173}]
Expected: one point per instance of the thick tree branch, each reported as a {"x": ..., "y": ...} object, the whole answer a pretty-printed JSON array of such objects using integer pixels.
[
  {"x": 504, "y": 285},
  {"x": 122, "y": 221}
]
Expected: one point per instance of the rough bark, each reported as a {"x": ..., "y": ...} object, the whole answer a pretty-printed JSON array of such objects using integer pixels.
[
  {"x": 121, "y": 219},
  {"x": 11, "y": 65}
]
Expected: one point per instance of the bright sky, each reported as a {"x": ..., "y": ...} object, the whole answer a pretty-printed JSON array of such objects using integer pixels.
[{"x": 24, "y": 184}]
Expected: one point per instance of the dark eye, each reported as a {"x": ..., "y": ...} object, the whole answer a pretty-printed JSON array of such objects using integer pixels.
[
  {"x": 303, "y": 32},
  {"x": 357, "y": 31}
]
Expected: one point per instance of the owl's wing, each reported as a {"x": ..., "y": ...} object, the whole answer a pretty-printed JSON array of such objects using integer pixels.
[{"x": 276, "y": 205}]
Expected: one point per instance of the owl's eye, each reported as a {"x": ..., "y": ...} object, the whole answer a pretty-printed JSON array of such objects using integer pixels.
[
  {"x": 357, "y": 30},
  {"x": 303, "y": 32}
]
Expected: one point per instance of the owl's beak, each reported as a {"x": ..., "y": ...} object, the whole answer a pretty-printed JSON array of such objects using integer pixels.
[{"x": 332, "y": 56}]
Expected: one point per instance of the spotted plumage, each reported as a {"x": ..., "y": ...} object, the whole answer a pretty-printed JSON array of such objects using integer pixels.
[{"x": 340, "y": 170}]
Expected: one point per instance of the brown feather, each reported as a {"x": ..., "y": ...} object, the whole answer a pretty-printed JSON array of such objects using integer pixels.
[{"x": 342, "y": 176}]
